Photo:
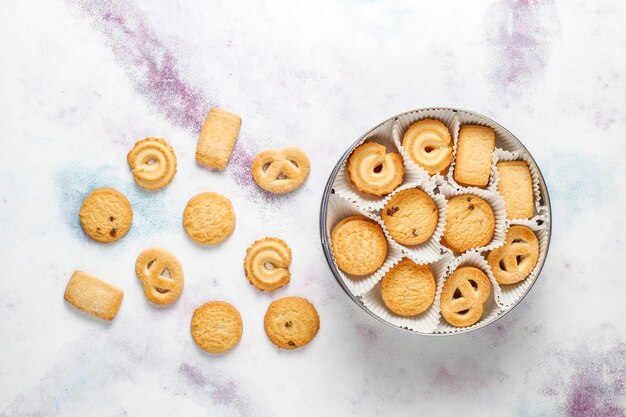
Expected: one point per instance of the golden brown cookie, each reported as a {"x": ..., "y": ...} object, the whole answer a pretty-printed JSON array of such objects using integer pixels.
[
  {"x": 408, "y": 289},
  {"x": 359, "y": 245},
  {"x": 280, "y": 171},
  {"x": 429, "y": 144},
  {"x": 516, "y": 187},
  {"x": 470, "y": 223},
  {"x": 464, "y": 295},
  {"x": 374, "y": 171},
  {"x": 410, "y": 216},
  {"x": 515, "y": 260},
  {"x": 474, "y": 155},
  {"x": 153, "y": 163},
  {"x": 216, "y": 326},
  {"x": 93, "y": 296},
  {"x": 209, "y": 218},
  {"x": 106, "y": 215},
  {"x": 160, "y": 274},
  {"x": 291, "y": 322},
  {"x": 217, "y": 138},
  {"x": 267, "y": 262}
]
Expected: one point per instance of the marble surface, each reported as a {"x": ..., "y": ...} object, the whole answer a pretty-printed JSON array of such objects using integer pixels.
[{"x": 82, "y": 80}]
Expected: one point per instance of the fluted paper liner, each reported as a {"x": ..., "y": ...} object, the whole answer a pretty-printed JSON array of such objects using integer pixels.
[
  {"x": 402, "y": 123},
  {"x": 430, "y": 250},
  {"x": 340, "y": 208},
  {"x": 518, "y": 155},
  {"x": 425, "y": 322},
  {"x": 492, "y": 309},
  {"x": 510, "y": 294},
  {"x": 346, "y": 189}
]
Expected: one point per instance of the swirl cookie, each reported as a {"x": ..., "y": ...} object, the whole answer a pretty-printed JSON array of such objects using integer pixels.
[
  {"x": 474, "y": 155},
  {"x": 408, "y": 289},
  {"x": 374, "y": 171},
  {"x": 93, "y": 296},
  {"x": 153, "y": 163},
  {"x": 280, "y": 171},
  {"x": 272, "y": 252},
  {"x": 470, "y": 223},
  {"x": 515, "y": 260},
  {"x": 359, "y": 245},
  {"x": 160, "y": 274},
  {"x": 291, "y": 322},
  {"x": 464, "y": 295},
  {"x": 106, "y": 215},
  {"x": 216, "y": 326},
  {"x": 209, "y": 218},
  {"x": 429, "y": 144},
  {"x": 410, "y": 216}
]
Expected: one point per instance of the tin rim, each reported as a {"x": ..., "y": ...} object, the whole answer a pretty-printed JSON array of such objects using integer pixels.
[{"x": 325, "y": 238}]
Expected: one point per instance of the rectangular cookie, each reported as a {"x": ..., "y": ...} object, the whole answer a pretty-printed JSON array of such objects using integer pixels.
[
  {"x": 516, "y": 187},
  {"x": 93, "y": 296},
  {"x": 217, "y": 138},
  {"x": 474, "y": 155}
]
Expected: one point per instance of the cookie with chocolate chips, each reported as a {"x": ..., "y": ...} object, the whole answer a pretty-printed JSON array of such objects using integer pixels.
[
  {"x": 106, "y": 215},
  {"x": 291, "y": 322}
]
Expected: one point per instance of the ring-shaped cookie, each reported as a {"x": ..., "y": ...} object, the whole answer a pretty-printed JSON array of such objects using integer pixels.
[
  {"x": 280, "y": 171},
  {"x": 429, "y": 144},
  {"x": 161, "y": 275},
  {"x": 153, "y": 163},
  {"x": 266, "y": 264},
  {"x": 373, "y": 170}
]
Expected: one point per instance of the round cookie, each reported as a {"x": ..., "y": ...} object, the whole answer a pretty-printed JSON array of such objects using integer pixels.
[
  {"x": 408, "y": 289},
  {"x": 470, "y": 223},
  {"x": 515, "y": 260},
  {"x": 291, "y": 322},
  {"x": 106, "y": 215},
  {"x": 464, "y": 295},
  {"x": 374, "y": 171},
  {"x": 161, "y": 275},
  {"x": 272, "y": 251},
  {"x": 209, "y": 218},
  {"x": 153, "y": 163},
  {"x": 410, "y": 216},
  {"x": 429, "y": 144},
  {"x": 216, "y": 326},
  {"x": 280, "y": 171},
  {"x": 359, "y": 245}
]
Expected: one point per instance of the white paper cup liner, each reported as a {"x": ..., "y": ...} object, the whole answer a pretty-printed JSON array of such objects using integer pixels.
[
  {"x": 520, "y": 155},
  {"x": 425, "y": 322},
  {"x": 430, "y": 250},
  {"x": 497, "y": 205},
  {"x": 345, "y": 188},
  {"x": 492, "y": 309},
  {"x": 510, "y": 294},
  {"x": 340, "y": 208},
  {"x": 402, "y": 123}
]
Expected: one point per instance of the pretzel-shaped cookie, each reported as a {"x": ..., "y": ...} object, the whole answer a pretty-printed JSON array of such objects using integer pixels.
[
  {"x": 429, "y": 144},
  {"x": 153, "y": 163},
  {"x": 373, "y": 170},
  {"x": 464, "y": 295},
  {"x": 280, "y": 171},
  {"x": 515, "y": 260},
  {"x": 268, "y": 251},
  {"x": 151, "y": 267}
]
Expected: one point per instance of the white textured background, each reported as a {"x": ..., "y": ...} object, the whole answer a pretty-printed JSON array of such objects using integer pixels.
[{"x": 81, "y": 81}]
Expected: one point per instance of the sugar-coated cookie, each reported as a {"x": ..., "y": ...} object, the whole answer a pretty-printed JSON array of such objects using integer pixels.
[
  {"x": 470, "y": 223},
  {"x": 93, "y": 296},
  {"x": 410, "y": 216},
  {"x": 515, "y": 260},
  {"x": 280, "y": 171},
  {"x": 161, "y": 275},
  {"x": 216, "y": 326},
  {"x": 106, "y": 215},
  {"x": 408, "y": 289},
  {"x": 474, "y": 155},
  {"x": 291, "y": 322},
  {"x": 209, "y": 218},
  {"x": 359, "y": 245},
  {"x": 374, "y": 171},
  {"x": 464, "y": 295},
  {"x": 429, "y": 144},
  {"x": 268, "y": 251},
  {"x": 217, "y": 138},
  {"x": 516, "y": 187},
  {"x": 153, "y": 163}
]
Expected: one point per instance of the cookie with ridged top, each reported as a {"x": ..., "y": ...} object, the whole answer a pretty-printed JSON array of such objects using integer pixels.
[
  {"x": 216, "y": 326},
  {"x": 209, "y": 218}
]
